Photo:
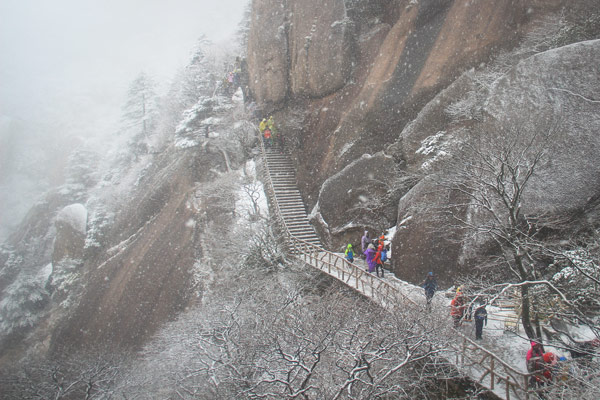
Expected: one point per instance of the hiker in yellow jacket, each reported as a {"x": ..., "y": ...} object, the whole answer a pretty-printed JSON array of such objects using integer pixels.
[{"x": 263, "y": 125}]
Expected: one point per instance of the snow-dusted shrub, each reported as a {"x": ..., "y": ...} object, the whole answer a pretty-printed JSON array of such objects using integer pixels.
[
  {"x": 65, "y": 282},
  {"x": 72, "y": 376},
  {"x": 265, "y": 250},
  {"x": 22, "y": 302},
  {"x": 98, "y": 222},
  {"x": 578, "y": 276}
]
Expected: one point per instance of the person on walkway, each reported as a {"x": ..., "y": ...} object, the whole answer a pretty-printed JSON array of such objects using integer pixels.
[
  {"x": 267, "y": 137},
  {"x": 550, "y": 366},
  {"x": 370, "y": 255},
  {"x": 381, "y": 241},
  {"x": 271, "y": 122},
  {"x": 378, "y": 262},
  {"x": 384, "y": 254},
  {"x": 430, "y": 286},
  {"x": 364, "y": 242},
  {"x": 535, "y": 364},
  {"x": 457, "y": 307},
  {"x": 480, "y": 318},
  {"x": 349, "y": 254},
  {"x": 263, "y": 125}
]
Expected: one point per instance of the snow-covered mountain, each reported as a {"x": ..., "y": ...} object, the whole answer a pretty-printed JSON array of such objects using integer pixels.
[{"x": 401, "y": 116}]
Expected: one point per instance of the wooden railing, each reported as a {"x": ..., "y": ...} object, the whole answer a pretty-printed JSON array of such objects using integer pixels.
[{"x": 494, "y": 371}]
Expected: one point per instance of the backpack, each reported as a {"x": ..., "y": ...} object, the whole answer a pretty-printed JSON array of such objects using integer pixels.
[{"x": 383, "y": 255}]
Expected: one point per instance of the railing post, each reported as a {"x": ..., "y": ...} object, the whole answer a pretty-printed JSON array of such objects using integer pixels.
[
  {"x": 492, "y": 377},
  {"x": 526, "y": 379},
  {"x": 507, "y": 387}
]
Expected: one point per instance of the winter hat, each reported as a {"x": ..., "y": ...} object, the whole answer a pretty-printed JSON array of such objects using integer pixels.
[
  {"x": 371, "y": 246},
  {"x": 430, "y": 273}
]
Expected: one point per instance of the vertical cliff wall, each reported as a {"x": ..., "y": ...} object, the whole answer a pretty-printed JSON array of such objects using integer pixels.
[
  {"x": 358, "y": 71},
  {"x": 348, "y": 76}
]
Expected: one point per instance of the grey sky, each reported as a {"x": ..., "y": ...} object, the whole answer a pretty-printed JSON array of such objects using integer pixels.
[{"x": 59, "y": 58}]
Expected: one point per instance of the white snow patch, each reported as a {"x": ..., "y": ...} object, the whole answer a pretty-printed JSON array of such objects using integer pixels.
[
  {"x": 75, "y": 216},
  {"x": 404, "y": 221},
  {"x": 190, "y": 223},
  {"x": 346, "y": 147},
  {"x": 45, "y": 273},
  {"x": 211, "y": 121},
  {"x": 341, "y": 23},
  {"x": 431, "y": 143},
  {"x": 238, "y": 96},
  {"x": 435, "y": 147},
  {"x": 185, "y": 143}
]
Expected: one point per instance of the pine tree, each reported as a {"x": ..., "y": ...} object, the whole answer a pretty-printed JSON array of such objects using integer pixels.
[{"x": 140, "y": 111}]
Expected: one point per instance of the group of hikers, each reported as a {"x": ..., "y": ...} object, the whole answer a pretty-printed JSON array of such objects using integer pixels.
[
  {"x": 544, "y": 366},
  {"x": 270, "y": 134},
  {"x": 374, "y": 252},
  {"x": 460, "y": 309}
]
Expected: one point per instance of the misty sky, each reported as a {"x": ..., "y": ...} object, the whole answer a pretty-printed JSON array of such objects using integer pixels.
[
  {"x": 65, "y": 66},
  {"x": 64, "y": 58}
]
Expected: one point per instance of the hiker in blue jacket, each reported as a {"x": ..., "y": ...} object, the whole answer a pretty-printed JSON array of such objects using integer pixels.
[
  {"x": 480, "y": 318},
  {"x": 430, "y": 286},
  {"x": 384, "y": 253}
]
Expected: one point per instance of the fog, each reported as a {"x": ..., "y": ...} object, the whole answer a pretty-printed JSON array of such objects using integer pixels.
[{"x": 65, "y": 67}]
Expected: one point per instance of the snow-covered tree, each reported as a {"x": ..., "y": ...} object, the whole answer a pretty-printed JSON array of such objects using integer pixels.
[
  {"x": 140, "y": 111},
  {"x": 492, "y": 176}
]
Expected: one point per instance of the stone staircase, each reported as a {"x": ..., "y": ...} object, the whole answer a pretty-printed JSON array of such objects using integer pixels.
[{"x": 287, "y": 196}]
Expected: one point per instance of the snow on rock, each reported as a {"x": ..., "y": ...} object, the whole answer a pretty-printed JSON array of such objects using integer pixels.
[
  {"x": 75, "y": 216},
  {"x": 238, "y": 96}
]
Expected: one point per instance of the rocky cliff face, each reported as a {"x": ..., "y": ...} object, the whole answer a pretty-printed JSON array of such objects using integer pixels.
[
  {"x": 112, "y": 281},
  {"x": 349, "y": 79},
  {"x": 532, "y": 98}
]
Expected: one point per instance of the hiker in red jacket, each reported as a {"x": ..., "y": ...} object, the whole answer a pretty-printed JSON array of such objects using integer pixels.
[{"x": 457, "y": 307}]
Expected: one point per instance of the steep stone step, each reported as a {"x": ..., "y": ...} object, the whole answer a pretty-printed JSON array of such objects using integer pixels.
[
  {"x": 293, "y": 205},
  {"x": 302, "y": 231},
  {"x": 288, "y": 198},
  {"x": 282, "y": 176},
  {"x": 282, "y": 186},
  {"x": 293, "y": 211}
]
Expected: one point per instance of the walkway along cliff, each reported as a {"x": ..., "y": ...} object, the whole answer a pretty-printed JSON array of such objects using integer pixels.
[{"x": 482, "y": 365}]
